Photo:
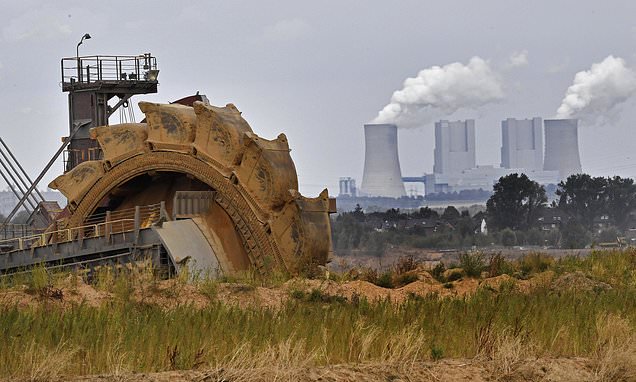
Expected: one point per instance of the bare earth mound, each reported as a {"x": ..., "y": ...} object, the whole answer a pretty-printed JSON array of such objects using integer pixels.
[{"x": 169, "y": 294}]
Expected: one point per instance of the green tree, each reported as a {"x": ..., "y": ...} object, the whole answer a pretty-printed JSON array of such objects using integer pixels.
[
  {"x": 425, "y": 213},
  {"x": 376, "y": 245},
  {"x": 465, "y": 226},
  {"x": 358, "y": 213},
  {"x": 609, "y": 235},
  {"x": 346, "y": 231},
  {"x": 620, "y": 199},
  {"x": 508, "y": 237},
  {"x": 582, "y": 197},
  {"x": 515, "y": 202},
  {"x": 574, "y": 235},
  {"x": 451, "y": 215}
]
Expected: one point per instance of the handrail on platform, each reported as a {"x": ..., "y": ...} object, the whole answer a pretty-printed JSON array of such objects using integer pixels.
[{"x": 143, "y": 217}]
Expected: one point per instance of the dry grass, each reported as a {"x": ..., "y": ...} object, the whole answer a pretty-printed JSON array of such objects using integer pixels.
[
  {"x": 41, "y": 364},
  {"x": 499, "y": 326},
  {"x": 285, "y": 361},
  {"x": 615, "y": 352}
]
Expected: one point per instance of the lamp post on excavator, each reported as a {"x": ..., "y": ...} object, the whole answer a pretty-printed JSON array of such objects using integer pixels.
[{"x": 79, "y": 64}]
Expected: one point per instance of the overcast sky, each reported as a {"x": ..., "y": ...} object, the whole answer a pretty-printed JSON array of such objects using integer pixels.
[{"x": 318, "y": 71}]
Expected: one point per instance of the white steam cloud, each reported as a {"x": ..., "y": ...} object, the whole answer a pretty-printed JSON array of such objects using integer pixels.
[
  {"x": 596, "y": 93},
  {"x": 439, "y": 91},
  {"x": 518, "y": 59}
]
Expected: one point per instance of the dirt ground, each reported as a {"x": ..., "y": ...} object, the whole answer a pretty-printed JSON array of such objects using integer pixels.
[
  {"x": 169, "y": 294},
  {"x": 553, "y": 370}
]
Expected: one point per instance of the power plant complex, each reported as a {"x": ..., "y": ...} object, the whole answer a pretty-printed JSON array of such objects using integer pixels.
[{"x": 455, "y": 168}]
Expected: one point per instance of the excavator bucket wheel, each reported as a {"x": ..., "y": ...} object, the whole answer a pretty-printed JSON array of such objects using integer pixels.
[{"x": 258, "y": 220}]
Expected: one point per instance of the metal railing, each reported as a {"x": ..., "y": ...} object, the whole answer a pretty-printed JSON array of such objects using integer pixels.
[
  {"x": 76, "y": 156},
  {"x": 100, "y": 225},
  {"x": 11, "y": 231},
  {"x": 91, "y": 69}
]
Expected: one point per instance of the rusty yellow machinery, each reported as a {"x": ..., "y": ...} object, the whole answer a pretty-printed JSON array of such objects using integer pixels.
[
  {"x": 228, "y": 198},
  {"x": 257, "y": 220}
]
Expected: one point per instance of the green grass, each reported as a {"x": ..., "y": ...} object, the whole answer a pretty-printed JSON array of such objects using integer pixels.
[
  {"x": 146, "y": 338},
  {"x": 125, "y": 335}
]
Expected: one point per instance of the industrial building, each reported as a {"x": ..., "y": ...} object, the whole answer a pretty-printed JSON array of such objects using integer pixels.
[
  {"x": 454, "y": 146},
  {"x": 562, "y": 147},
  {"x": 522, "y": 144},
  {"x": 382, "y": 175},
  {"x": 455, "y": 170},
  {"x": 481, "y": 177},
  {"x": 347, "y": 187}
]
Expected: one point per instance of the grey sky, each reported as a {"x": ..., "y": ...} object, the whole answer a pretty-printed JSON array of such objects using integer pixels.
[{"x": 318, "y": 71}]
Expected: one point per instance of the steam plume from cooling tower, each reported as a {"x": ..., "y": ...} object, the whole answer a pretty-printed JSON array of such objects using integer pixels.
[
  {"x": 597, "y": 93},
  {"x": 442, "y": 90}
]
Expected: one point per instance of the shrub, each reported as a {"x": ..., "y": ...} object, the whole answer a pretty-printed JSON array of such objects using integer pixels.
[
  {"x": 574, "y": 235},
  {"x": 472, "y": 264},
  {"x": 385, "y": 280},
  {"x": 404, "y": 279},
  {"x": 497, "y": 265},
  {"x": 609, "y": 235},
  {"x": 298, "y": 294},
  {"x": 520, "y": 238},
  {"x": 316, "y": 295},
  {"x": 369, "y": 274},
  {"x": 438, "y": 272},
  {"x": 436, "y": 353},
  {"x": 535, "y": 263},
  {"x": 534, "y": 237},
  {"x": 209, "y": 289},
  {"x": 508, "y": 237},
  {"x": 454, "y": 274},
  {"x": 39, "y": 280},
  {"x": 406, "y": 264}
]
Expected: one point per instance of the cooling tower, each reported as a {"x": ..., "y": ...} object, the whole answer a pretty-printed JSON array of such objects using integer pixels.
[
  {"x": 562, "y": 147},
  {"x": 382, "y": 175}
]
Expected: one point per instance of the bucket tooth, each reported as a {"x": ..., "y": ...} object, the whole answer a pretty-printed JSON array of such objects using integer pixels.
[
  {"x": 267, "y": 171},
  {"x": 76, "y": 183},
  {"x": 219, "y": 134},
  {"x": 170, "y": 127},
  {"x": 120, "y": 142}
]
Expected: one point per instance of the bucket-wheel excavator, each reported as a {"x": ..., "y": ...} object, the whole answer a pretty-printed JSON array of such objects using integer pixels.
[{"x": 192, "y": 185}]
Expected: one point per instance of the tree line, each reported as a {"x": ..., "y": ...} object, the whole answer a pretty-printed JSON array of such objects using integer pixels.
[
  {"x": 513, "y": 214},
  {"x": 517, "y": 202}
]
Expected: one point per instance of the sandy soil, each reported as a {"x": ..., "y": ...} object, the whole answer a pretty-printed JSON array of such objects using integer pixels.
[
  {"x": 554, "y": 370},
  {"x": 169, "y": 294}
]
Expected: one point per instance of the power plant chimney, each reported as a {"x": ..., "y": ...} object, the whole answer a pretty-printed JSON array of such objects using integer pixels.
[
  {"x": 382, "y": 175},
  {"x": 562, "y": 147},
  {"x": 522, "y": 144},
  {"x": 454, "y": 146}
]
